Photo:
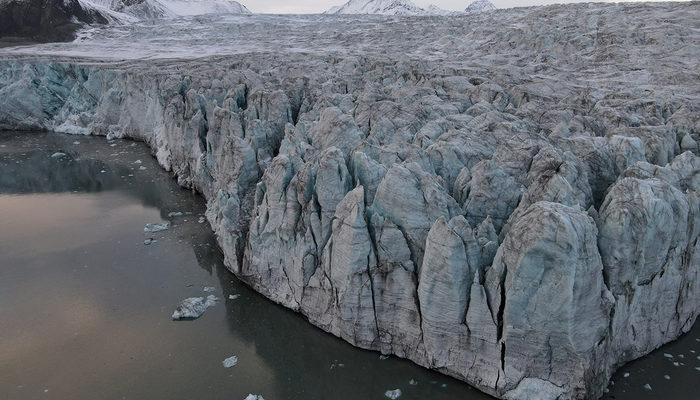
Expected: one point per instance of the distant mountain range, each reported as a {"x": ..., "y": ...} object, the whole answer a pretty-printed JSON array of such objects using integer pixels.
[
  {"x": 58, "y": 20},
  {"x": 403, "y": 7}
]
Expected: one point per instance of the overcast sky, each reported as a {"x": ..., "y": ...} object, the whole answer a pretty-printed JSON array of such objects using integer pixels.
[{"x": 315, "y": 6}]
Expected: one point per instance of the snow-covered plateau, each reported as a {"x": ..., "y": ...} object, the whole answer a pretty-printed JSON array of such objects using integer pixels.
[{"x": 511, "y": 198}]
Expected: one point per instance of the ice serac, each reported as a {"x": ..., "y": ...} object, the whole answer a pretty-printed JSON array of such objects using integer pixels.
[
  {"x": 550, "y": 301},
  {"x": 519, "y": 210},
  {"x": 648, "y": 240}
]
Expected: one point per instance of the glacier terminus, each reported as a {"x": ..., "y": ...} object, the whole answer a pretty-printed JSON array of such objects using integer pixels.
[{"x": 510, "y": 197}]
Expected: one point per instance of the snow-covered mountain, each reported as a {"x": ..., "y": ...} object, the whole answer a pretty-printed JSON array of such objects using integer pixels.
[
  {"x": 385, "y": 7},
  {"x": 152, "y": 9},
  {"x": 478, "y": 6}
]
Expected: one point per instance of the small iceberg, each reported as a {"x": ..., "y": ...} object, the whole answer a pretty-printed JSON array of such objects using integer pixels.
[
  {"x": 58, "y": 154},
  {"x": 393, "y": 394},
  {"x": 153, "y": 228},
  {"x": 254, "y": 397},
  {"x": 230, "y": 362},
  {"x": 194, "y": 307}
]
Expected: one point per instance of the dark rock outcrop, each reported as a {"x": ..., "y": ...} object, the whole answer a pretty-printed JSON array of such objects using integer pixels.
[{"x": 44, "y": 20}]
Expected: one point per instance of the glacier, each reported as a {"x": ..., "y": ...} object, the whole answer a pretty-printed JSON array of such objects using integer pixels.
[{"x": 509, "y": 198}]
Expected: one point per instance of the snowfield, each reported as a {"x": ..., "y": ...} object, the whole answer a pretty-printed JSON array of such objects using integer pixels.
[{"x": 511, "y": 197}]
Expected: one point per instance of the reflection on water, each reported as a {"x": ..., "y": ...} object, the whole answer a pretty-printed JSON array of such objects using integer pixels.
[{"x": 86, "y": 305}]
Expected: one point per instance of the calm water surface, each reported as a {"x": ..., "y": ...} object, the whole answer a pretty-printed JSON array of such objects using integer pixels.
[{"x": 85, "y": 306}]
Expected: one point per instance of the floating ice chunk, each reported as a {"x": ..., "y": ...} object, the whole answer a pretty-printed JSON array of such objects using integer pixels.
[
  {"x": 201, "y": 220},
  {"x": 149, "y": 241},
  {"x": 152, "y": 228},
  {"x": 137, "y": 162},
  {"x": 233, "y": 296},
  {"x": 383, "y": 357},
  {"x": 194, "y": 307},
  {"x": 668, "y": 355},
  {"x": 209, "y": 289},
  {"x": 254, "y": 397},
  {"x": 142, "y": 168},
  {"x": 174, "y": 214},
  {"x": 626, "y": 375},
  {"x": 393, "y": 394},
  {"x": 76, "y": 142},
  {"x": 58, "y": 154},
  {"x": 336, "y": 364},
  {"x": 667, "y": 377},
  {"x": 647, "y": 387},
  {"x": 412, "y": 382},
  {"x": 230, "y": 362}
]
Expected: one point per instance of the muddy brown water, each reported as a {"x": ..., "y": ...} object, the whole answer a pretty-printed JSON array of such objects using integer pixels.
[{"x": 85, "y": 305}]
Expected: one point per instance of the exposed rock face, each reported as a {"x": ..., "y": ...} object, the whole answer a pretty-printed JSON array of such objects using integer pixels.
[
  {"x": 44, "y": 20},
  {"x": 523, "y": 216}
]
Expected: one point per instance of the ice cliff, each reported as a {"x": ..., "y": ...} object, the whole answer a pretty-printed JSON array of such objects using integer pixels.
[{"x": 516, "y": 206}]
